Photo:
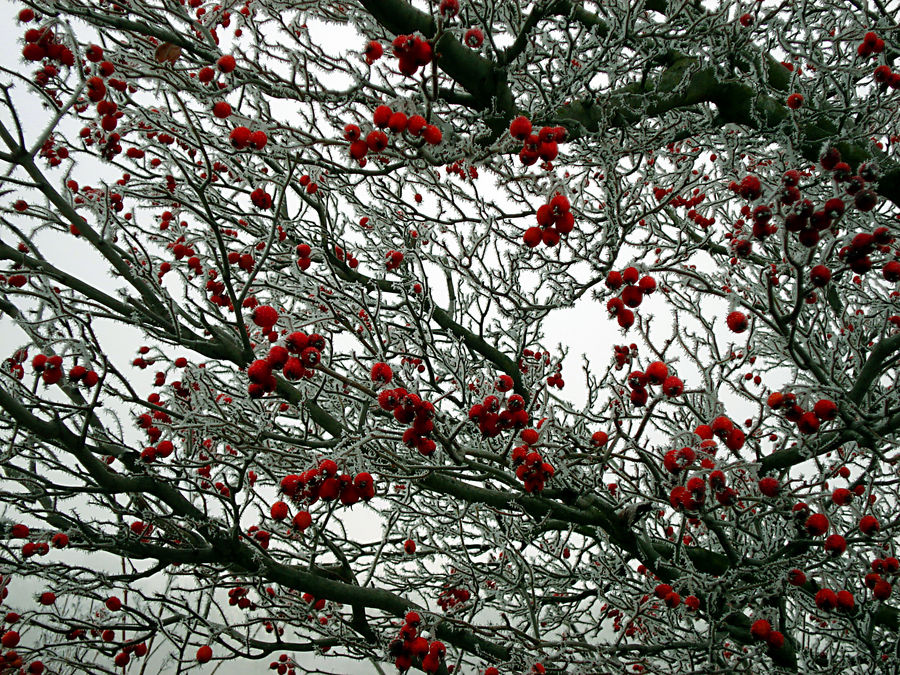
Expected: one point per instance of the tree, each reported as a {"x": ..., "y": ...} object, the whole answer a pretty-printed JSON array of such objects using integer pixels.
[{"x": 344, "y": 235}]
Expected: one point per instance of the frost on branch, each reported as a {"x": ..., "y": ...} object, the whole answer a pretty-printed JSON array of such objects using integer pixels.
[{"x": 294, "y": 297}]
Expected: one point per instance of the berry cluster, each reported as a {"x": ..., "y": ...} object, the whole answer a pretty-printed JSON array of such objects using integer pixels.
[
  {"x": 285, "y": 665},
  {"x": 554, "y": 219},
  {"x": 870, "y": 45},
  {"x": 808, "y": 422},
  {"x": 762, "y": 630},
  {"x": 32, "y": 548},
  {"x": 530, "y": 466},
  {"x": 410, "y": 648},
  {"x": 297, "y": 359},
  {"x": 724, "y": 429},
  {"x": 397, "y": 123},
  {"x": 409, "y": 409},
  {"x": 322, "y": 483},
  {"x": 452, "y": 596},
  {"x": 692, "y": 495},
  {"x": 886, "y": 78},
  {"x": 624, "y": 354},
  {"x": 857, "y": 253},
  {"x": 491, "y": 420},
  {"x": 412, "y": 53},
  {"x": 827, "y": 600},
  {"x": 340, "y": 254},
  {"x": 151, "y": 453},
  {"x": 542, "y": 145},
  {"x": 657, "y": 373},
  {"x": 874, "y": 580},
  {"x": 237, "y": 597},
  {"x": 261, "y": 199},
  {"x": 41, "y": 43},
  {"x": 394, "y": 260},
  {"x": 50, "y": 368},
  {"x": 241, "y": 137},
  {"x": 634, "y": 288}
]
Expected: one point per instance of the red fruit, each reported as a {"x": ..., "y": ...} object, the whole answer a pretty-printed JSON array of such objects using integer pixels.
[
  {"x": 721, "y": 426},
  {"x": 632, "y": 296},
  {"x": 817, "y": 525},
  {"x": 532, "y": 237},
  {"x": 796, "y": 577},
  {"x": 891, "y": 271},
  {"x": 204, "y": 654},
  {"x": 794, "y": 101},
  {"x": 47, "y": 598},
  {"x": 869, "y": 525},
  {"x": 382, "y": 116},
  {"x": 882, "y": 590},
  {"x": 473, "y": 38},
  {"x": 279, "y": 511},
  {"x": 240, "y": 137},
  {"x": 529, "y": 436},
  {"x": 432, "y": 134},
  {"x": 374, "y": 51},
  {"x": 662, "y": 590},
  {"x": 376, "y": 141},
  {"x": 10, "y": 639},
  {"x": 676, "y": 461},
  {"x": 819, "y": 276},
  {"x": 826, "y": 599},
  {"x": 769, "y": 487},
  {"x": 328, "y": 467},
  {"x": 222, "y": 110},
  {"x": 302, "y": 520},
  {"x": 265, "y": 316},
  {"x": 737, "y": 322},
  {"x": 647, "y": 285},
  {"x": 841, "y": 496},
  {"x": 673, "y": 386},
  {"x": 382, "y": 373},
  {"x": 226, "y": 64},
  {"x": 775, "y": 639},
  {"x": 258, "y": 139},
  {"x": 520, "y": 128},
  {"x": 415, "y": 124},
  {"x": 113, "y": 604},
  {"x": 625, "y": 318},
  {"x": 835, "y": 545},
  {"x": 409, "y": 546},
  {"x": 614, "y": 280},
  {"x": 397, "y": 123},
  {"x": 808, "y": 423},
  {"x": 630, "y": 275},
  {"x": 845, "y": 601},
  {"x": 760, "y": 629},
  {"x": 259, "y": 371},
  {"x": 599, "y": 439},
  {"x": 735, "y": 439},
  {"x": 358, "y": 149}
]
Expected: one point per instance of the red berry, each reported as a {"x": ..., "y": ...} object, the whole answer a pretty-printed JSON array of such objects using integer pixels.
[
  {"x": 221, "y": 110},
  {"x": 737, "y": 322},
  {"x": 226, "y": 63}
]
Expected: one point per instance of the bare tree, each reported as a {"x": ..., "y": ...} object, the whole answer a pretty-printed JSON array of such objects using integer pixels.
[{"x": 282, "y": 294}]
